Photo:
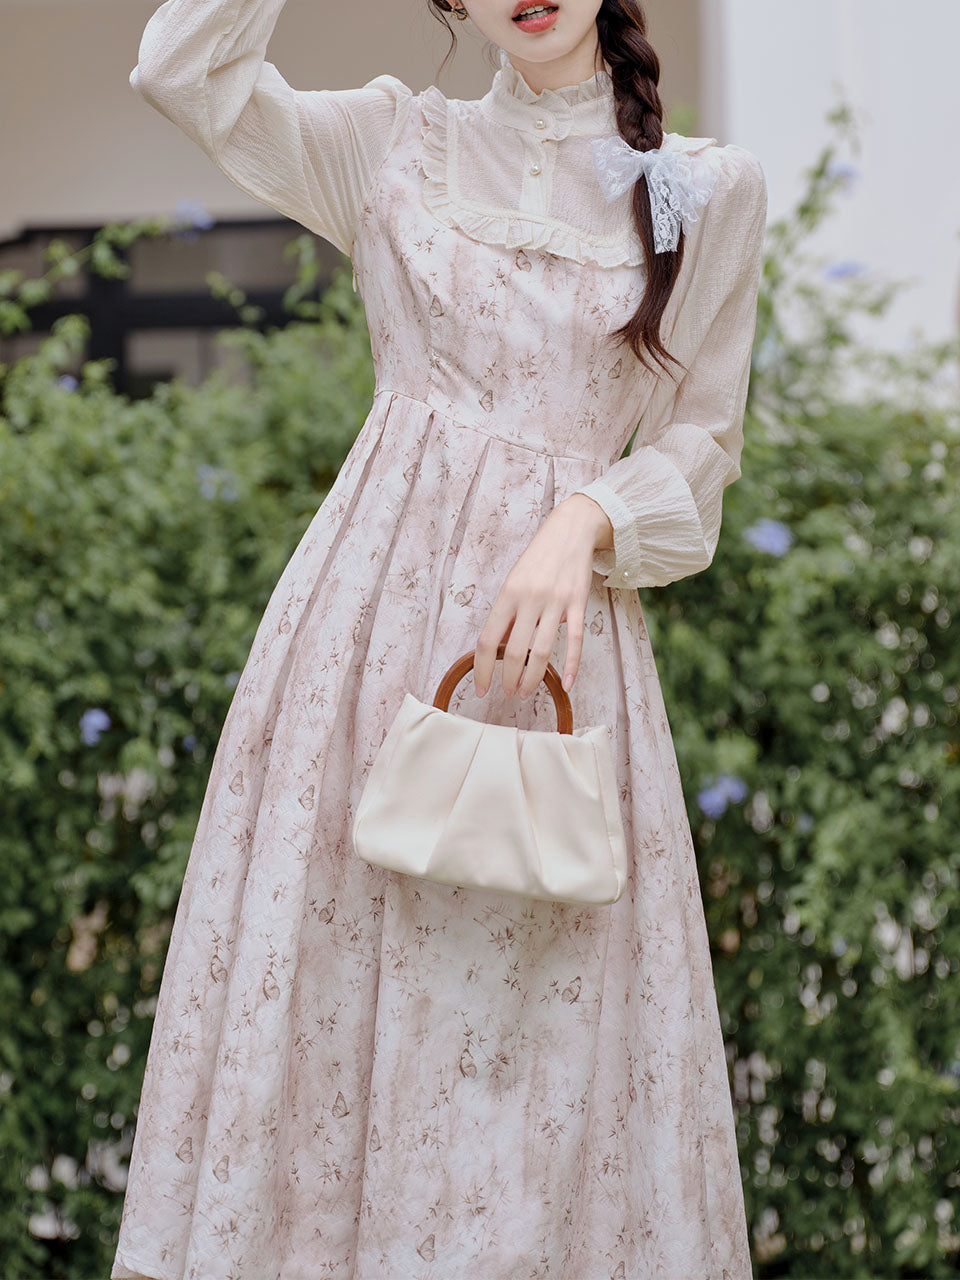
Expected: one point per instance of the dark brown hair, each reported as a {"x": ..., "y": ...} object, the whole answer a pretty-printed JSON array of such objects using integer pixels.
[{"x": 635, "y": 71}]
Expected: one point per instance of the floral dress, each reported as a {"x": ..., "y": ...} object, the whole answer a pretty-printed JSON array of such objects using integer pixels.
[{"x": 353, "y": 1073}]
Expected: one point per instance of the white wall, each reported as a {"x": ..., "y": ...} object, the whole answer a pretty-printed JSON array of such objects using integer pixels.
[{"x": 785, "y": 66}]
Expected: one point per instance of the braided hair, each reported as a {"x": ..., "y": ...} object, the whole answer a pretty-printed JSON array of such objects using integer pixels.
[{"x": 635, "y": 72}]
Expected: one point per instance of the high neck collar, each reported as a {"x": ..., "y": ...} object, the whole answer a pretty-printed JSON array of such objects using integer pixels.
[
  {"x": 598, "y": 84},
  {"x": 584, "y": 108}
]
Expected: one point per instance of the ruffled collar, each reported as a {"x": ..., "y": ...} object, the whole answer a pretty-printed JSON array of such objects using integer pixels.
[
  {"x": 585, "y": 109},
  {"x": 580, "y": 109},
  {"x": 460, "y": 196},
  {"x": 585, "y": 91}
]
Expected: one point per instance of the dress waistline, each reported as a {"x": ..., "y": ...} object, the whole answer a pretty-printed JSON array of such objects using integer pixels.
[{"x": 485, "y": 431}]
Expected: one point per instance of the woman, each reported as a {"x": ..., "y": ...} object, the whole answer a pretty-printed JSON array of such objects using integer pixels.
[{"x": 359, "y": 1073}]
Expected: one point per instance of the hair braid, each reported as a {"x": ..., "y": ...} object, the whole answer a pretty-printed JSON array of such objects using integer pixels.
[{"x": 635, "y": 71}]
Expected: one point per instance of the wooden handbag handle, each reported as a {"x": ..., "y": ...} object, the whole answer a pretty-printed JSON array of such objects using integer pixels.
[{"x": 457, "y": 670}]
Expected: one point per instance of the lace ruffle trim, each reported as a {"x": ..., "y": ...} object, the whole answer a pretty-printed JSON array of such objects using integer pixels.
[{"x": 502, "y": 227}]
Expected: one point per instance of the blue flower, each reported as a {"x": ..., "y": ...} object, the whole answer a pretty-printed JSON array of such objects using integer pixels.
[
  {"x": 68, "y": 382},
  {"x": 771, "y": 536},
  {"x": 847, "y": 267},
  {"x": 92, "y": 723},
  {"x": 215, "y": 482},
  {"x": 193, "y": 212},
  {"x": 189, "y": 742},
  {"x": 736, "y": 788},
  {"x": 847, "y": 173},
  {"x": 713, "y": 800}
]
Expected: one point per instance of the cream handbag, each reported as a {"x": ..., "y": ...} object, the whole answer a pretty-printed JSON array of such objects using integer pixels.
[{"x": 487, "y": 806}]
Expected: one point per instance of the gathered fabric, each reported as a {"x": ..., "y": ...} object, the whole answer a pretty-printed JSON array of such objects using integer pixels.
[{"x": 490, "y": 806}]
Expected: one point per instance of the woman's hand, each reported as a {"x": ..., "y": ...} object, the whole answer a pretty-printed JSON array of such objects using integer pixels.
[{"x": 549, "y": 583}]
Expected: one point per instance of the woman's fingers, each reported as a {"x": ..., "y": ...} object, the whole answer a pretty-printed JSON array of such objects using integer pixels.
[
  {"x": 550, "y": 581},
  {"x": 529, "y": 642},
  {"x": 518, "y": 646},
  {"x": 498, "y": 626},
  {"x": 541, "y": 649},
  {"x": 571, "y": 663}
]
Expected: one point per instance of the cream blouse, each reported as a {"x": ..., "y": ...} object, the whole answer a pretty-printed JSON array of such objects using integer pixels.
[{"x": 507, "y": 169}]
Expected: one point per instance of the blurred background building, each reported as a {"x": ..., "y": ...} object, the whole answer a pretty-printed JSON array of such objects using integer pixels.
[{"x": 80, "y": 148}]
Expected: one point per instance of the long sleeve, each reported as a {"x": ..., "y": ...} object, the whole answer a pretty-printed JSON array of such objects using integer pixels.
[
  {"x": 664, "y": 499},
  {"x": 311, "y": 155}
]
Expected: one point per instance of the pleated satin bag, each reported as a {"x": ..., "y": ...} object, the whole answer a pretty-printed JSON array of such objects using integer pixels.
[{"x": 488, "y": 806}]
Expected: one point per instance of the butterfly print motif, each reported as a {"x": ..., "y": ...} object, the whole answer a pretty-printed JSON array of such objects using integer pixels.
[
  {"x": 571, "y": 992},
  {"x": 340, "y": 1108}
]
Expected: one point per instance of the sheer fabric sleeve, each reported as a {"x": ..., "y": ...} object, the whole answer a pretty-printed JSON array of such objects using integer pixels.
[
  {"x": 311, "y": 155},
  {"x": 664, "y": 499}
]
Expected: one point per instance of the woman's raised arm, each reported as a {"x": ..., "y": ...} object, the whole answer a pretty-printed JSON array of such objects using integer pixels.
[{"x": 312, "y": 155}]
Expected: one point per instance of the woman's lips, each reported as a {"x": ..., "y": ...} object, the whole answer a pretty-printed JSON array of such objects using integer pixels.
[{"x": 538, "y": 22}]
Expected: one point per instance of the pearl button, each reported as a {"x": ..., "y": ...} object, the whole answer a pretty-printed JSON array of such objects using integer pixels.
[
  {"x": 534, "y": 168},
  {"x": 540, "y": 124}
]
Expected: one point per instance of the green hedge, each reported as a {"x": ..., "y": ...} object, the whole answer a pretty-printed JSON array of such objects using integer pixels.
[
  {"x": 821, "y": 682},
  {"x": 811, "y": 676},
  {"x": 140, "y": 543}
]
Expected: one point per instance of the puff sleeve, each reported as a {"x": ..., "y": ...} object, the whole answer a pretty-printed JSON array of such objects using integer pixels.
[
  {"x": 311, "y": 155},
  {"x": 664, "y": 498}
]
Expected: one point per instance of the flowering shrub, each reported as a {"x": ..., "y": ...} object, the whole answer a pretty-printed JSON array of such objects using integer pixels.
[
  {"x": 140, "y": 543},
  {"x": 812, "y": 677}
]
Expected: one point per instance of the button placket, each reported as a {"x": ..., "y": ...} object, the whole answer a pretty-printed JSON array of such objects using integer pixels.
[
  {"x": 540, "y": 124},
  {"x": 536, "y": 183}
]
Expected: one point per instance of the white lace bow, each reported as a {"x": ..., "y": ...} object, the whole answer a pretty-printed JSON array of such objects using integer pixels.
[{"x": 679, "y": 184}]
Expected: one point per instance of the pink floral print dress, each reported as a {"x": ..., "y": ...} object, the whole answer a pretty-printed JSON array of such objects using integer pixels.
[{"x": 353, "y": 1073}]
